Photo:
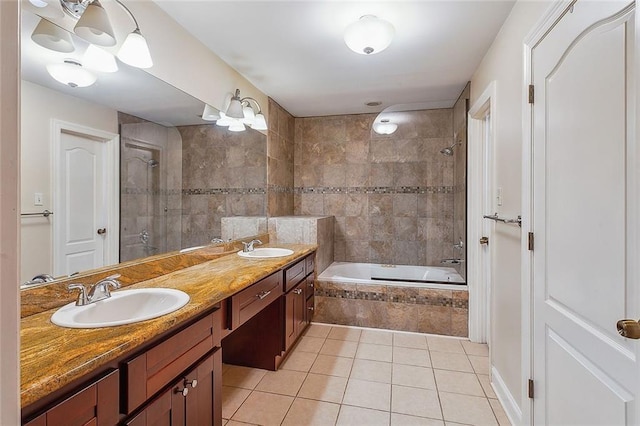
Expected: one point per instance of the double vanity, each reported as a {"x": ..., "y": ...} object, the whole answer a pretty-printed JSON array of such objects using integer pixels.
[{"x": 166, "y": 370}]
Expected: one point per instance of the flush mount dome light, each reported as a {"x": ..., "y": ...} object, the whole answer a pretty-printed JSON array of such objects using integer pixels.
[
  {"x": 369, "y": 35},
  {"x": 71, "y": 73},
  {"x": 385, "y": 127}
]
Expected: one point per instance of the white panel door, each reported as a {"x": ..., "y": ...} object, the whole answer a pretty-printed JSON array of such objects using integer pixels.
[
  {"x": 585, "y": 218},
  {"x": 83, "y": 199}
]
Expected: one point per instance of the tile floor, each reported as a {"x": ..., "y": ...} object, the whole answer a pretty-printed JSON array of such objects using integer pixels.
[{"x": 352, "y": 376}]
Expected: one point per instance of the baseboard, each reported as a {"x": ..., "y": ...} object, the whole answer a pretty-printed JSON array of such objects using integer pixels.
[{"x": 507, "y": 400}]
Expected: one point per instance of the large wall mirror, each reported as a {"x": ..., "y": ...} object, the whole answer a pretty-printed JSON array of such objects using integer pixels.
[{"x": 127, "y": 167}]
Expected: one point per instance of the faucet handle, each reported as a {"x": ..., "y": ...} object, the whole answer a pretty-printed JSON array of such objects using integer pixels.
[
  {"x": 82, "y": 295},
  {"x": 111, "y": 277}
]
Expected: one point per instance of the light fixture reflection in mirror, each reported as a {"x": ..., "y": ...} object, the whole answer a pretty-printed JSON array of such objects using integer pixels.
[
  {"x": 240, "y": 112},
  {"x": 95, "y": 27},
  {"x": 52, "y": 37},
  {"x": 71, "y": 73},
  {"x": 98, "y": 59}
]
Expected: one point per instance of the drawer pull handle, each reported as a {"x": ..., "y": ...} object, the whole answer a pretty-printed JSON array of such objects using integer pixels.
[
  {"x": 263, "y": 294},
  {"x": 183, "y": 391},
  {"x": 193, "y": 383},
  {"x": 310, "y": 285},
  {"x": 298, "y": 291},
  {"x": 310, "y": 308}
]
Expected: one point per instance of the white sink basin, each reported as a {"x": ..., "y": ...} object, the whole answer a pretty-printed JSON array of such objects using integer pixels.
[
  {"x": 263, "y": 253},
  {"x": 123, "y": 307}
]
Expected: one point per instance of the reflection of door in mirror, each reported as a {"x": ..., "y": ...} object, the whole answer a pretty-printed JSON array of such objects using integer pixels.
[
  {"x": 85, "y": 198},
  {"x": 150, "y": 173},
  {"x": 40, "y": 108}
]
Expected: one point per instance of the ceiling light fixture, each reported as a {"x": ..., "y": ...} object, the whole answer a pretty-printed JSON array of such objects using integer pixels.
[
  {"x": 369, "y": 35},
  {"x": 98, "y": 59},
  {"x": 71, "y": 73},
  {"x": 385, "y": 127},
  {"x": 240, "y": 112},
  {"x": 48, "y": 8},
  {"x": 52, "y": 37},
  {"x": 94, "y": 26}
]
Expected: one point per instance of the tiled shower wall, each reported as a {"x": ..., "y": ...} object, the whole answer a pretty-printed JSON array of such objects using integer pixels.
[
  {"x": 150, "y": 200},
  {"x": 224, "y": 174},
  {"x": 391, "y": 195},
  {"x": 280, "y": 161}
]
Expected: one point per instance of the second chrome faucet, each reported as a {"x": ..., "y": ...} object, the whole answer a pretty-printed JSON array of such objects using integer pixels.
[{"x": 98, "y": 291}]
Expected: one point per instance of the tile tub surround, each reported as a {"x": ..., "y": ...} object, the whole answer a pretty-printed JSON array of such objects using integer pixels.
[
  {"x": 306, "y": 230},
  {"x": 424, "y": 310},
  {"x": 391, "y": 195},
  {"x": 389, "y": 378},
  {"x": 223, "y": 174},
  {"x": 52, "y": 357},
  {"x": 239, "y": 227},
  {"x": 280, "y": 145}
]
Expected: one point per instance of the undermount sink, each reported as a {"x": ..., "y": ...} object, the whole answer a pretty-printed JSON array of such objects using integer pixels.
[
  {"x": 263, "y": 253},
  {"x": 123, "y": 307}
]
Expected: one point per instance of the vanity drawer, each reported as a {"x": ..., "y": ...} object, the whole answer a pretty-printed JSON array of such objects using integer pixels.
[
  {"x": 310, "y": 264},
  {"x": 152, "y": 370},
  {"x": 293, "y": 275},
  {"x": 255, "y": 298}
]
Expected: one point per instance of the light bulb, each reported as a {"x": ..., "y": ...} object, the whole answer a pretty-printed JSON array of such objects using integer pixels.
[{"x": 98, "y": 59}]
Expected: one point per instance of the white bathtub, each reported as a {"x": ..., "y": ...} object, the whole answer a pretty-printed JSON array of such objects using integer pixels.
[{"x": 394, "y": 275}]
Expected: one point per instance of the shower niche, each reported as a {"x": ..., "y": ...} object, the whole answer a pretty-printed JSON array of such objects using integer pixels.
[{"x": 150, "y": 174}]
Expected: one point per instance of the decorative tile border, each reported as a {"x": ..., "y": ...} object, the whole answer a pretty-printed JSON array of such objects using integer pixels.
[
  {"x": 397, "y": 295},
  {"x": 223, "y": 191},
  {"x": 375, "y": 190},
  {"x": 146, "y": 191},
  {"x": 280, "y": 189}
]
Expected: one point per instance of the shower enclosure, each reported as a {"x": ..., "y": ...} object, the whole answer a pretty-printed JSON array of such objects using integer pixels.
[{"x": 147, "y": 202}]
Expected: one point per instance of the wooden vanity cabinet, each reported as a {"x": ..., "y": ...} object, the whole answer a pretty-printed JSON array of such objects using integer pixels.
[
  {"x": 299, "y": 280},
  {"x": 190, "y": 400},
  {"x": 94, "y": 405}
]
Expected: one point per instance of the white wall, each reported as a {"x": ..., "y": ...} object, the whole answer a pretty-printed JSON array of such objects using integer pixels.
[
  {"x": 39, "y": 107},
  {"x": 184, "y": 62},
  {"x": 9, "y": 204},
  {"x": 504, "y": 64}
]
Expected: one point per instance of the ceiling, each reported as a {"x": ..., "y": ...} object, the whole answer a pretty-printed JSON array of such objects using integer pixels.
[{"x": 295, "y": 53}]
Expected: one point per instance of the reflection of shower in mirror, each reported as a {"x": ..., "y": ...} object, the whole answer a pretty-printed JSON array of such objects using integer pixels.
[{"x": 150, "y": 163}]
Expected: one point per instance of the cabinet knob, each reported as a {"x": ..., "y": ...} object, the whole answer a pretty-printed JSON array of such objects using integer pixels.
[
  {"x": 298, "y": 291},
  {"x": 193, "y": 383},
  {"x": 184, "y": 391},
  {"x": 310, "y": 308},
  {"x": 310, "y": 285}
]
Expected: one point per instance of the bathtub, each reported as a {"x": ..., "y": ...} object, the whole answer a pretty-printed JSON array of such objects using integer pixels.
[
  {"x": 395, "y": 275},
  {"x": 394, "y": 297}
]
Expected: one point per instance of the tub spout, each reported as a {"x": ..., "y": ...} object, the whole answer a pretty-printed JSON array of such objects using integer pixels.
[{"x": 451, "y": 261}]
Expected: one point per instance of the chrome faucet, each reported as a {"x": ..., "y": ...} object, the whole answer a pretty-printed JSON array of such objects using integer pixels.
[
  {"x": 98, "y": 291},
  {"x": 217, "y": 240},
  {"x": 459, "y": 245},
  {"x": 39, "y": 279},
  {"x": 247, "y": 247}
]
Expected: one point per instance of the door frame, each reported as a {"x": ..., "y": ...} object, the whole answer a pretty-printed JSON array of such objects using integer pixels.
[
  {"x": 479, "y": 291},
  {"x": 112, "y": 168}
]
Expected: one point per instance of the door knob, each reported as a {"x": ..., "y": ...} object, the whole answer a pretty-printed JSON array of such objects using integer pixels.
[
  {"x": 484, "y": 240},
  {"x": 629, "y": 328},
  {"x": 102, "y": 231}
]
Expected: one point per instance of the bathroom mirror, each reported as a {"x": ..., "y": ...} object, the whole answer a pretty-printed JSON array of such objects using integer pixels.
[{"x": 178, "y": 174}]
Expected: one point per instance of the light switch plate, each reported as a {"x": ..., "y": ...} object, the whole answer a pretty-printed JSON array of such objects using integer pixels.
[{"x": 37, "y": 199}]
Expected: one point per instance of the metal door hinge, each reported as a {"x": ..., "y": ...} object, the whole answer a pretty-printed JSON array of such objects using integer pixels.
[
  {"x": 531, "y": 93},
  {"x": 531, "y": 388},
  {"x": 530, "y": 243}
]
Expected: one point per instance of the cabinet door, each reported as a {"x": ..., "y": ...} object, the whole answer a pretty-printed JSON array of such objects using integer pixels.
[
  {"x": 199, "y": 402},
  {"x": 161, "y": 412},
  {"x": 94, "y": 405},
  {"x": 294, "y": 314}
]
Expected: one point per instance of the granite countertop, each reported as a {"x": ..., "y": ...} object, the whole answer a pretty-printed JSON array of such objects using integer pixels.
[{"x": 52, "y": 357}]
